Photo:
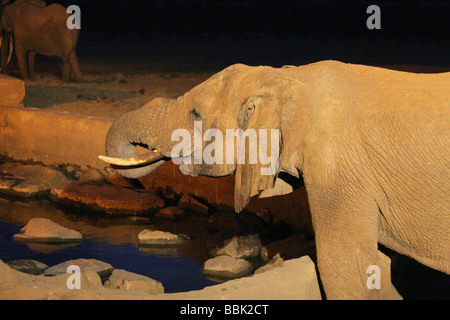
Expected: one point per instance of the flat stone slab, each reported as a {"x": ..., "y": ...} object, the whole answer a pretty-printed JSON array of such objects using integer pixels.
[
  {"x": 160, "y": 238},
  {"x": 28, "y": 180},
  {"x": 47, "y": 231},
  {"x": 107, "y": 198},
  {"x": 103, "y": 269}
]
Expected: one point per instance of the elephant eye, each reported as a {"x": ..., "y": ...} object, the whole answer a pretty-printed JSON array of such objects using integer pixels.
[{"x": 195, "y": 113}]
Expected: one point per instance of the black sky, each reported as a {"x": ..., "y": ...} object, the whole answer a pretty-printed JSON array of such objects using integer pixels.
[{"x": 271, "y": 31}]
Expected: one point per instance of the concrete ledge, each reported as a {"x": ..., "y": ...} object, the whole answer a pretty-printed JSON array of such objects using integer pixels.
[{"x": 52, "y": 137}]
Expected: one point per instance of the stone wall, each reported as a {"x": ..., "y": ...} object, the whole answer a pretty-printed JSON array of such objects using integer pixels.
[{"x": 51, "y": 137}]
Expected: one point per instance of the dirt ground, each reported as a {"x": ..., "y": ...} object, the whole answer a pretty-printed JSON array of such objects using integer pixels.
[{"x": 102, "y": 93}]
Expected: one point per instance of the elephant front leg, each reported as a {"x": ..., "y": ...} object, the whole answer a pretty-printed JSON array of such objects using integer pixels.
[{"x": 350, "y": 265}]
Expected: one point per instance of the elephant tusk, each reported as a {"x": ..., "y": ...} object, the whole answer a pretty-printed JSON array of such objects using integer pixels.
[{"x": 134, "y": 161}]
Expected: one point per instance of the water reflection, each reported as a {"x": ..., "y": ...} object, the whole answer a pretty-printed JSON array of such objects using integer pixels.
[{"x": 110, "y": 239}]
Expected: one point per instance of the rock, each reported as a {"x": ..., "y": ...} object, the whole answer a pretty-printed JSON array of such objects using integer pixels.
[
  {"x": 28, "y": 266},
  {"x": 71, "y": 171},
  {"x": 227, "y": 267},
  {"x": 12, "y": 91},
  {"x": 92, "y": 174},
  {"x": 117, "y": 179},
  {"x": 156, "y": 237},
  {"x": 28, "y": 180},
  {"x": 103, "y": 269},
  {"x": 276, "y": 262},
  {"x": 240, "y": 247},
  {"x": 171, "y": 213},
  {"x": 228, "y": 242},
  {"x": 45, "y": 230},
  {"x": 107, "y": 198},
  {"x": 189, "y": 202},
  {"x": 124, "y": 280},
  {"x": 288, "y": 248}
]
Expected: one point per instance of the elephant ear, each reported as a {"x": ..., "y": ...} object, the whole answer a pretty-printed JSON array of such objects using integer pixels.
[
  {"x": 286, "y": 109},
  {"x": 257, "y": 117}
]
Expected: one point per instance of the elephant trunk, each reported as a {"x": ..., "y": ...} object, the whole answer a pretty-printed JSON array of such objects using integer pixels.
[{"x": 141, "y": 127}]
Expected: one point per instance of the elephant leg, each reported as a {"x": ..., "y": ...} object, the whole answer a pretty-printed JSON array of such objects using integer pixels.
[
  {"x": 66, "y": 70},
  {"x": 31, "y": 56},
  {"x": 21, "y": 55},
  {"x": 73, "y": 61},
  {"x": 346, "y": 225}
]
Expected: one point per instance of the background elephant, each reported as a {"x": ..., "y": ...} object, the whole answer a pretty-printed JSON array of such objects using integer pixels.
[
  {"x": 372, "y": 145},
  {"x": 40, "y": 30}
]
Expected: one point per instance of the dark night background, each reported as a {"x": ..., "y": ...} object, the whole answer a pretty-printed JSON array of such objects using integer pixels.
[{"x": 201, "y": 35}]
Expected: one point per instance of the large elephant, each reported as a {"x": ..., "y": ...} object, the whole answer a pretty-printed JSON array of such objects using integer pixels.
[
  {"x": 372, "y": 145},
  {"x": 40, "y": 30}
]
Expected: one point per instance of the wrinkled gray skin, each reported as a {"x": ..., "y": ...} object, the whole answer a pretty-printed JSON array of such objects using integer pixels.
[
  {"x": 372, "y": 145},
  {"x": 43, "y": 31}
]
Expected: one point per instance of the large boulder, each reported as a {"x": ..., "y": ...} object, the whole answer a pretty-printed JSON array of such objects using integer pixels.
[
  {"x": 12, "y": 91},
  {"x": 125, "y": 280},
  {"x": 225, "y": 267},
  {"x": 47, "y": 231},
  {"x": 28, "y": 180},
  {"x": 107, "y": 198}
]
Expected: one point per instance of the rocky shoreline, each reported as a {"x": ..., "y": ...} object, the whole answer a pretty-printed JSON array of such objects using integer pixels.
[{"x": 240, "y": 245}]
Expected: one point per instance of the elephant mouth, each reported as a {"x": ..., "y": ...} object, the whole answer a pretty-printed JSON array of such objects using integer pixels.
[{"x": 147, "y": 158}]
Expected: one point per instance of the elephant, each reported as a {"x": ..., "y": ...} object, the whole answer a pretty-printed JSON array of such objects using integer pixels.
[
  {"x": 40, "y": 30},
  {"x": 371, "y": 144}
]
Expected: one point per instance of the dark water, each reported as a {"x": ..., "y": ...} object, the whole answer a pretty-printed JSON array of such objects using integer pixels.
[{"x": 110, "y": 240}]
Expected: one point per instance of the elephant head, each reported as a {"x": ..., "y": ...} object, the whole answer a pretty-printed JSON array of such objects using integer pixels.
[{"x": 216, "y": 118}]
